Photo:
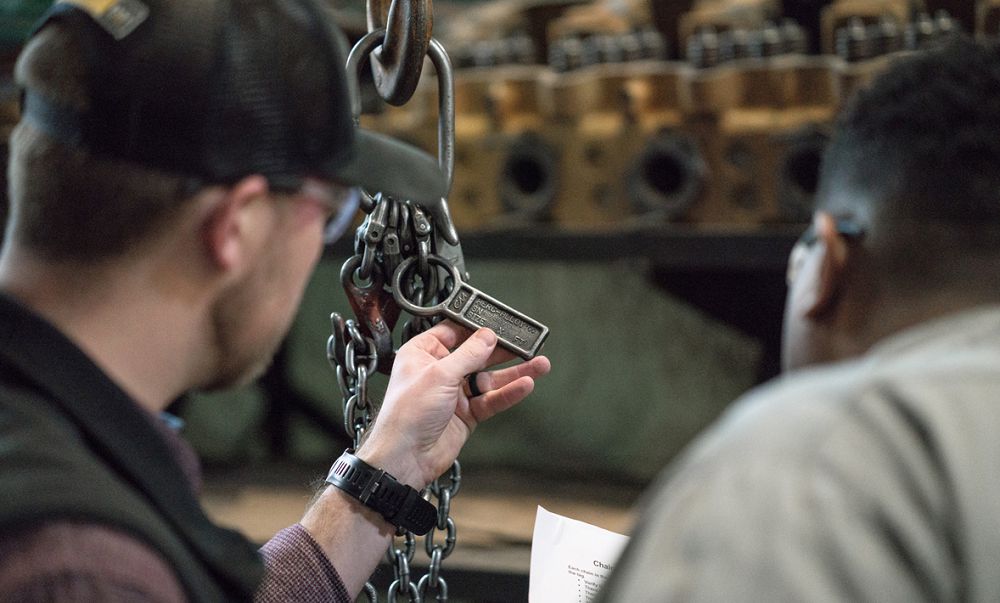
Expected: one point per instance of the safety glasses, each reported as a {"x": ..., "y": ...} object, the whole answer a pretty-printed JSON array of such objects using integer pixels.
[{"x": 342, "y": 201}]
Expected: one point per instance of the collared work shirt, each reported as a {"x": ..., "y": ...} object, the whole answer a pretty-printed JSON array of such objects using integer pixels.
[{"x": 876, "y": 479}]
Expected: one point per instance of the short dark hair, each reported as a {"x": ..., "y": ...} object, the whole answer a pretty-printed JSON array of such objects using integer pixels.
[
  {"x": 67, "y": 204},
  {"x": 918, "y": 152}
]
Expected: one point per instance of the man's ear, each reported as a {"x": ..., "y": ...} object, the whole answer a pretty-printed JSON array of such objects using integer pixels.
[
  {"x": 230, "y": 226},
  {"x": 832, "y": 250}
]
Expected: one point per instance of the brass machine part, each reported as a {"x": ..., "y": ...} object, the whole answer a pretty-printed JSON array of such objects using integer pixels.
[
  {"x": 840, "y": 13},
  {"x": 988, "y": 18},
  {"x": 506, "y": 169},
  {"x": 761, "y": 125},
  {"x": 622, "y": 157},
  {"x": 723, "y": 15},
  {"x": 666, "y": 178}
]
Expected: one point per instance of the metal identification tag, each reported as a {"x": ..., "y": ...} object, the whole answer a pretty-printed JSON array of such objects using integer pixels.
[{"x": 470, "y": 307}]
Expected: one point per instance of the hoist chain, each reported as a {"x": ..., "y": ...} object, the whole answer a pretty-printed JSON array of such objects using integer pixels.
[{"x": 394, "y": 231}]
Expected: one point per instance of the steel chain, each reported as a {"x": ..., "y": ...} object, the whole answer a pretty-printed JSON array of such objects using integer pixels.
[{"x": 393, "y": 231}]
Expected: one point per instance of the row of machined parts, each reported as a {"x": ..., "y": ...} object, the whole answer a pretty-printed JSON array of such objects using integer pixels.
[
  {"x": 855, "y": 40},
  {"x": 618, "y": 128},
  {"x": 611, "y": 132},
  {"x": 708, "y": 47},
  {"x": 565, "y": 54}
]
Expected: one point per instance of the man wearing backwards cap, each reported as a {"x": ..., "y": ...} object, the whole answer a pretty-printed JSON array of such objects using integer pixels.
[{"x": 170, "y": 181}]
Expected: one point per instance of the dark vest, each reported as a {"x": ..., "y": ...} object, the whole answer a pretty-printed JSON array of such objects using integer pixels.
[{"x": 74, "y": 446}]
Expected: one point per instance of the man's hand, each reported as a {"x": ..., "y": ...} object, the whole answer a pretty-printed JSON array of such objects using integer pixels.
[
  {"x": 424, "y": 421},
  {"x": 427, "y": 416}
]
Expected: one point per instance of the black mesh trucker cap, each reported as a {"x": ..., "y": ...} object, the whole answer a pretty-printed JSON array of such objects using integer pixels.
[{"x": 220, "y": 89}]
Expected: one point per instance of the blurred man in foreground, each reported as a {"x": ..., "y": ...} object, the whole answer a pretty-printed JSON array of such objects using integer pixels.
[{"x": 874, "y": 474}]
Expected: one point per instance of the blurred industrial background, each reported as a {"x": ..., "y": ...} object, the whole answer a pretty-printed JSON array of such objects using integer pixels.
[{"x": 632, "y": 173}]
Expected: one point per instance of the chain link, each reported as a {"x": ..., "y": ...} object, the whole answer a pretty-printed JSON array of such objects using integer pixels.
[
  {"x": 392, "y": 232},
  {"x": 360, "y": 359}
]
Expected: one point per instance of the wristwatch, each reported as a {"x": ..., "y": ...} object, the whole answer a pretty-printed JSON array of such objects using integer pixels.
[{"x": 399, "y": 504}]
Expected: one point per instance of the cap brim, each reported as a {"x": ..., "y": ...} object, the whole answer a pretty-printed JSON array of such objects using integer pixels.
[{"x": 386, "y": 165}]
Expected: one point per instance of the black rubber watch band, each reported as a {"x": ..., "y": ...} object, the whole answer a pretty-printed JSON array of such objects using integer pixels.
[{"x": 399, "y": 504}]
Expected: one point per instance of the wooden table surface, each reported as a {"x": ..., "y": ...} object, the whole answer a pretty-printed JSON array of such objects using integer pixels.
[{"x": 494, "y": 514}]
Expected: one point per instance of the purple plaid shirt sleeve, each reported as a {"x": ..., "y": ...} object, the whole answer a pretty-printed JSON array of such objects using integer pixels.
[{"x": 299, "y": 570}]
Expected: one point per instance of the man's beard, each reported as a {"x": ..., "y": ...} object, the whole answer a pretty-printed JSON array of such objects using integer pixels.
[{"x": 241, "y": 357}]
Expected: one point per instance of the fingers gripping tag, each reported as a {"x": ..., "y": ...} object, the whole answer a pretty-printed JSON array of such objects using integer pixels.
[{"x": 118, "y": 17}]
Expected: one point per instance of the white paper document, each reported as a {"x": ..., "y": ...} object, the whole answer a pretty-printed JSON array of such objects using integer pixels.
[{"x": 570, "y": 559}]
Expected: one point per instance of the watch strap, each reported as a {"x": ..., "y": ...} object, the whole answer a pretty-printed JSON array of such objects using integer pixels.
[{"x": 399, "y": 504}]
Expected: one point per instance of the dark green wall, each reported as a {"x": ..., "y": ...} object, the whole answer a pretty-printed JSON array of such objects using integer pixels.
[{"x": 636, "y": 373}]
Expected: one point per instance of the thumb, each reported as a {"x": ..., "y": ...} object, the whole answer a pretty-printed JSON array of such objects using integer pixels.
[{"x": 472, "y": 355}]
